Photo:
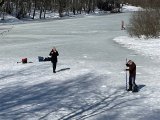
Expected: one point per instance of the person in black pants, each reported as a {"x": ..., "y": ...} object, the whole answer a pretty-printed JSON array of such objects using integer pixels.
[
  {"x": 54, "y": 53},
  {"x": 132, "y": 75}
]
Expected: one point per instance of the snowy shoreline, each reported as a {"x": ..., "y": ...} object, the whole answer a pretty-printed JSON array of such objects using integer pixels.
[
  {"x": 147, "y": 47},
  {"x": 50, "y": 16}
]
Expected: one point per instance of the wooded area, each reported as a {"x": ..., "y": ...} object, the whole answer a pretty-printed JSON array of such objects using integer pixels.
[{"x": 21, "y": 8}]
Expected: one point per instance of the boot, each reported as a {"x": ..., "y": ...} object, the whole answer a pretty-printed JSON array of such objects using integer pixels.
[{"x": 130, "y": 88}]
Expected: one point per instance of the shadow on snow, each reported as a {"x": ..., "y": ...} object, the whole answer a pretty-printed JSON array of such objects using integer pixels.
[
  {"x": 63, "y": 69},
  {"x": 75, "y": 96}
]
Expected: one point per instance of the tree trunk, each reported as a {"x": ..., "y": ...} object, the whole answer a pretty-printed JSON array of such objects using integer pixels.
[
  {"x": 41, "y": 10},
  {"x": 35, "y": 5}
]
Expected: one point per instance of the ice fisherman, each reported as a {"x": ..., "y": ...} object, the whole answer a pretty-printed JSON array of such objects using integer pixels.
[
  {"x": 132, "y": 75},
  {"x": 54, "y": 53},
  {"x": 122, "y": 25}
]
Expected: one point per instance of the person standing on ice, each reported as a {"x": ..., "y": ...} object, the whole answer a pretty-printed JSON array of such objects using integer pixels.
[
  {"x": 132, "y": 75},
  {"x": 54, "y": 53},
  {"x": 122, "y": 26}
]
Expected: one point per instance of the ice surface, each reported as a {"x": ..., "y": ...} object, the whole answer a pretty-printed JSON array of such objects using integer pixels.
[{"x": 90, "y": 82}]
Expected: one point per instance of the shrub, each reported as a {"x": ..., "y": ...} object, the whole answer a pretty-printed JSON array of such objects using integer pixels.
[{"x": 146, "y": 22}]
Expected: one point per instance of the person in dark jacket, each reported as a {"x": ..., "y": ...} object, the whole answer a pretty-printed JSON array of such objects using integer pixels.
[
  {"x": 54, "y": 53},
  {"x": 132, "y": 74}
]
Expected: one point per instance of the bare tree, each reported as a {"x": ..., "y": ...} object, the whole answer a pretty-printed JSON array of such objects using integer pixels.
[{"x": 29, "y": 7}]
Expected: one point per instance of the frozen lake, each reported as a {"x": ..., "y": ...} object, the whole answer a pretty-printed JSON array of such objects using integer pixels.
[{"x": 90, "y": 83}]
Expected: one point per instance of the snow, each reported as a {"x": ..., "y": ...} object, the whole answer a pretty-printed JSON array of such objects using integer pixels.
[
  {"x": 90, "y": 79},
  {"x": 147, "y": 47},
  {"x": 130, "y": 8},
  {"x": 8, "y": 19}
]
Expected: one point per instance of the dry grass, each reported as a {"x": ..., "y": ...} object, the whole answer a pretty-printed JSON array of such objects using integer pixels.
[{"x": 145, "y": 23}]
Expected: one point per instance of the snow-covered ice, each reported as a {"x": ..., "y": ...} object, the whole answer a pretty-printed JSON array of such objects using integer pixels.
[{"x": 90, "y": 79}]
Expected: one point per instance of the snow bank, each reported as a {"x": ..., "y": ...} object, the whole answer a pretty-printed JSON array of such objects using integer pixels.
[
  {"x": 129, "y": 8},
  {"x": 8, "y": 19},
  {"x": 145, "y": 47}
]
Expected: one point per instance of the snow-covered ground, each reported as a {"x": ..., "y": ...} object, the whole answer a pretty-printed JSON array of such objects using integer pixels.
[
  {"x": 90, "y": 79},
  {"x": 147, "y": 47},
  {"x": 130, "y": 8}
]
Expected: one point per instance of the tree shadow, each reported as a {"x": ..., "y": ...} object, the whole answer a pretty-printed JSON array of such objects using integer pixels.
[
  {"x": 22, "y": 102},
  {"x": 93, "y": 109},
  {"x": 41, "y": 100}
]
